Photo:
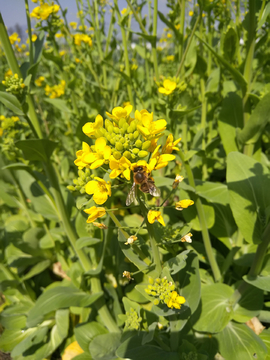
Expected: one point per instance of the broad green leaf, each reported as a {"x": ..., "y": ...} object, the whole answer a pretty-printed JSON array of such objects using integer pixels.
[
  {"x": 259, "y": 281},
  {"x": 7, "y": 199},
  {"x": 238, "y": 341},
  {"x": 59, "y": 104},
  {"x": 247, "y": 308},
  {"x": 216, "y": 309},
  {"x": 103, "y": 347},
  {"x": 37, "y": 269},
  {"x": 191, "y": 58},
  {"x": 248, "y": 183},
  {"x": 234, "y": 72},
  {"x": 86, "y": 241},
  {"x": 191, "y": 216},
  {"x": 230, "y": 119},
  {"x": 86, "y": 332},
  {"x": 255, "y": 126},
  {"x": 36, "y": 149},
  {"x": 230, "y": 44},
  {"x": 10, "y": 338},
  {"x": 132, "y": 348},
  {"x": 34, "y": 338},
  {"x": 265, "y": 336},
  {"x": 11, "y": 102},
  {"x": 58, "y": 298},
  {"x": 213, "y": 82},
  {"x": 175, "y": 264}
]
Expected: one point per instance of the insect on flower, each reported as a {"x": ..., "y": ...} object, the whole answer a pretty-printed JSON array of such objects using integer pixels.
[{"x": 146, "y": 184}]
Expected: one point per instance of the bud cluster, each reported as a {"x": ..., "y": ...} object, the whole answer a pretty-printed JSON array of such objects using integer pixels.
[
  {"x": 83, "y": 178},
  {"x": 160, "y": 288},
  {"x": 14, "y": 84},
  {"x": 133, "y": 320}
]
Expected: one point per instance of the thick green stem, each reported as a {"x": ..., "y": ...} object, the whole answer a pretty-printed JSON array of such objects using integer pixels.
[
  {"x": 203, "y": 223},
  {"x": 182, "y": 27},
  {"x": 154, "y": 43},
  {"x": 13, "y": 64},
  {"x": 29, "y": 32}
]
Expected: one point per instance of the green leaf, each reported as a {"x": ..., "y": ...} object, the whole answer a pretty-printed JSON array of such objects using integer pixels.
[
  {"x": 230, "y": 119},
  {"x": 255, "y": 126},
  {"x": 264, "y": 17},
  {"x": 170, "y": 25},
  {"x": 175, "y": 264},
  {"x": 216, "y": 308},
  {"x": 238, "y": 341},
  {"x": 11, "y": 102},
  {"x": 86, "y": 332},
  {"x": 57, "y": 298},
  {"x": 7, "y": 199},
  {"x": 265, "y": 336},
  {"x": 59, "y": 104},
  {"x": 191, "y": 216},
  {"x": 103, "y": 347},
  {"x": 213, "y": 82},
  {"x": 37, "y": 269},
  {"x": 86, "y": 241},
  {"x": 132, "y": 348},
  {"x": 36, "y": 149},
  {"x": 248, "y": 183},
  {"x": 34, "y": 338},
  {"x": 247, "y": 308},
  {"x": 259, "y": 281},
  {"x": 10, "y": 338},
  {"x": 230, "y": 44},
  {"x": 234, "y": 72}
]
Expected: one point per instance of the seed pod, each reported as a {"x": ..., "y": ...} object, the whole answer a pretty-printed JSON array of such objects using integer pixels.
[
  {"x": 146, "y": 145},
  {"x": 142, "y": 153},
  {"x": 117, "y": 155}
]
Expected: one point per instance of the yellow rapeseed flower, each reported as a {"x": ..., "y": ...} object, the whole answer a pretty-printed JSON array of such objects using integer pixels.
[
  {"x": 56, "y": 91},
  {"x": 72, "y": 350},
  {"x": 79, "y": 38},
  {"x": 170, "y": 145},
  {"x": 168, "y": 87},
  {"x": 13, "y": 38},
  {"x": 59, "y": 35},
  {"x": 170, "y": 58},
  {"x": 183, "y": 204},
  {"x": 62, "y": 53},
  {"x": 81, "y": 154},
  {"x": 175, "y": 300},
  {"x": 119, "y": 112},
  {"x": 177, "y": 26},
  {"x": 90, "y": 128},
  {"x": 73, "y": 24},
  {"x": 100, "y": 156},
  {"x": 155, "y": 215},
  {"x": 39, "y": 81},
  {"x": 99, "y": 189},
  {"x": 94, "y": 213},
  {"x": 148, "y": 128},
  {"x": 44, "y": 11},
  {"x": 8, "y": 73},
  {"x": 119, "y": 167},
  {"x": 191, "y": 13}
]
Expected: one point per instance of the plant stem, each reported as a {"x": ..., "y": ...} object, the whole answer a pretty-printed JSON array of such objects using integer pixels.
[
  {"x": 29, "y": 32},
  {"x": 154, "y": 42},
  {"x": 201, "y": 214},
  {"x": 182, "y": 27}
]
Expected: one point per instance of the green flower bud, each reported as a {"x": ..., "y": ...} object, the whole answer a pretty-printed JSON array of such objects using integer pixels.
[
  {"x": 119, "y": 146},
  {"x": 136, "y": 134},
  {"x": 133, "y": 126},
  {"x": 142, "y": 153},
  {"x": 110, "y": 129},
  {"x": 108, "y": 136},
  {"x": 117, "y": 155},
  {"x": 130, "y": 130},
  {"x": 131, "y": 137},
  {"x": 135, "y": 151},
  {"x": 133, "y": 156},
  {"x": 122, "y": 140},
  {"x": 87, "y": 172},
  {"x": 108, "y": 124},
  {"x": 81, "y": 174},
  {"x": 78, "y": 187},
  {"x": 71, "y": 188},
  {"x": 102, "y": 130},
  {"x": 126, "y": 145},
  {"x": 122, "y": 121},
  {"x": 112, "y": 141},
  {"x": 75, "y": 181},
  {"x": 156, "y": 302},
  {"x": 146, "y": 145},
  {"x": 82, "y": 191},
  {"x": 127, "y": 154},
  {"x": 125, "y": 127},
  {"x": 80, "y": 181},
  {"x": 138, "y": 144},
  {"x": 98, "y": 133},
  {"x": 116, "y": 130}
]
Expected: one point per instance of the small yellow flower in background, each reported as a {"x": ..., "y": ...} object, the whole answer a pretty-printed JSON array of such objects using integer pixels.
[
  {"x": 118, "y": 167},
  {"x": 77, "y": 60},
  {"x": 94, "y": 213},
  {"x": 39, "y": 81},
  {"x": 90, "y": 128},
  {"x": 175, "y": 300},
  {"x": 1, "y": 131},
  {"x": 72, "y": 350},
  {"x": 99, "y": 189},
  {"x": 191, "y": 13},
  {"x": 168, "y": 87},
  {"x": 155, "y": 215},
  {"x": 177, "y": 26},
  {"x": 126, "y": 103},
  {"x": 56, "y": 91},
  {"x": 131, "y": 240},
  {"x": 169, "y": 35},
  {"x": 44, "y": 11},
  {"x": 79, "y": 13},
  {"x": 123, "y": 11},
  {"x": 79, "y": 38},
  {"x": 34, "y": 1},
  {"x": 203, "y": 15},
  {"x": 8, "y": 73},
  {"x": 170, "y": 145},
  {"x": 187, "y": 238},
  {"x": 13, "y": 38},
  {"x": 177, "y": 180},
  {"x": 2, "y": 118},
  {"x": 59, "y": 35},
  {"x": 91, "y": 28},
  {"x": 73, "y": 24},
  {"x": 34, "y": 37},
  {"x": 183, "y": 204},
  {"x": 27, "y": 53},
  {"x": 170, "y": 58},
  {"x": 134, "y": 67},
  {"x": 62, "y": 53},
  {"x": 100, "y": 225}
]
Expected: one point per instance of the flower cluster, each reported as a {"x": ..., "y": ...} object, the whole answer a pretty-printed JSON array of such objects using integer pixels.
[
  {"x": 169, "y": 86},
  {"x": 13, "y": 38},
  {"x": 163, "y": 291},
  {"x": 133, "y": 320},
  {"x": 56, "y": 90},
  {"x": 14, "y": 84},
  {"x": 79, "y": 38},
  {"x": 44, "y": 11}
]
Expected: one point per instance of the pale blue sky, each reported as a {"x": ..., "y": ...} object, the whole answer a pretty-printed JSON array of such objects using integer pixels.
[{"x": 13, "y": 11}]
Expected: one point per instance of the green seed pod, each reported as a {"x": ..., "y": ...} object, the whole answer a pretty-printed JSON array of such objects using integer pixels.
[
  {"x": 146, "y": 145},
  {"x": 136, "y": 134},
  {"x": 117, "y": 155},
  {"x": 119, "y": 146},
  {"x": 135, "y": 151},
  {"x": 138, "y": 143},
  {"x": 127, "y": 154},
  {"x": 142, "y": 153}
]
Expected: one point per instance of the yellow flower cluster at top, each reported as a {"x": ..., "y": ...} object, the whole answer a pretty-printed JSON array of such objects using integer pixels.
[
  {"x": 56, "y": 90},
  {"x": 43, "y": 11}
]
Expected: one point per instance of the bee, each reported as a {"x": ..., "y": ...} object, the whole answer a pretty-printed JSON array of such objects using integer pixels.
[{"x": 146, "y": 183}]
